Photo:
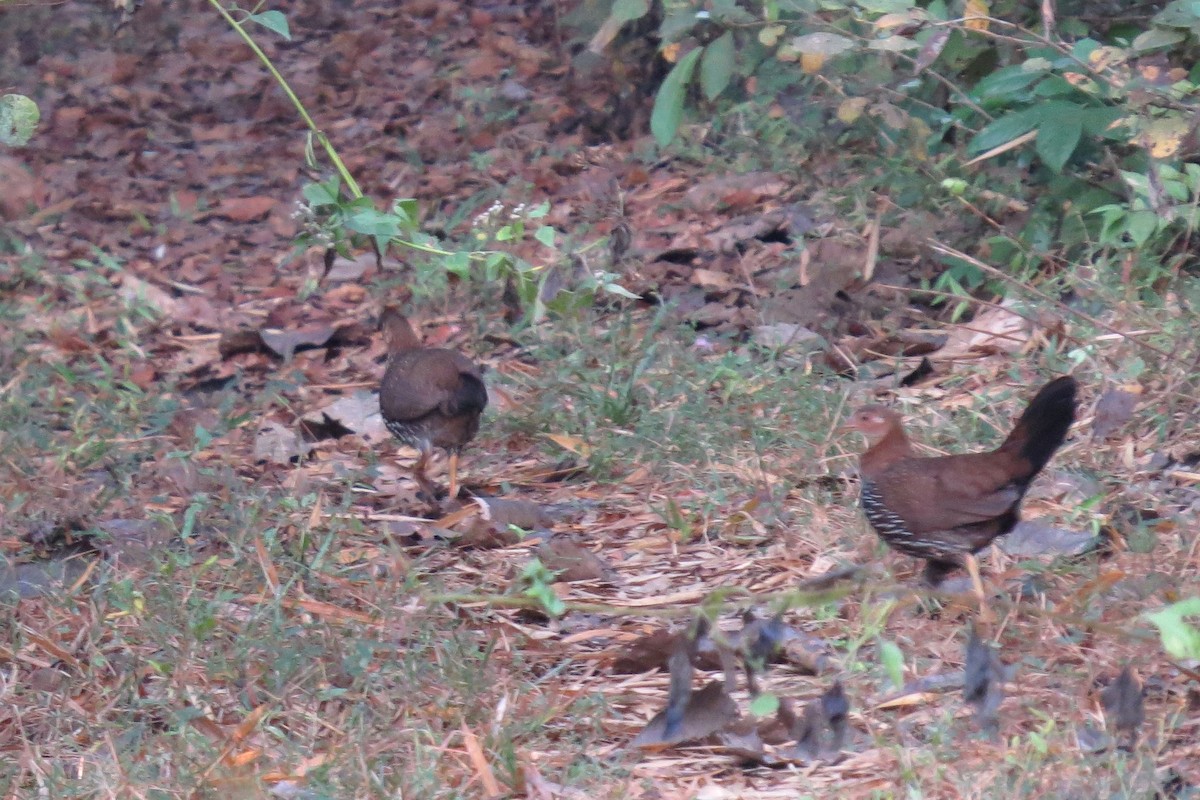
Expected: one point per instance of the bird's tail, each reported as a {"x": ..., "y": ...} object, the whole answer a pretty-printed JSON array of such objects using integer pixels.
[{"x": 1043, "y": 427}]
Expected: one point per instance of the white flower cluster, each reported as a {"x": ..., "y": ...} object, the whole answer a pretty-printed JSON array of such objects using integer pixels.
[
  {"x": 314, "y": 226},
  {"x": 488, "y": 215}
]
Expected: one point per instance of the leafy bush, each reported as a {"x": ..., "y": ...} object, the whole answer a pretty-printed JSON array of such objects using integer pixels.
[{"x": 1085, "y": 129}]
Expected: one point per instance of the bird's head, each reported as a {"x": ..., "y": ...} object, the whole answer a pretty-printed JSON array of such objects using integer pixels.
[
  {"x": 874, "y": 422},
  {"x": 398, "y": 332}
]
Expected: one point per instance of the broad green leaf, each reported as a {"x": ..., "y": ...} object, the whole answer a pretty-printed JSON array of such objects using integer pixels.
[
  {"x": 1004, "y": 130},
  {"x": 406, "y": 211},
  {"x": 322, "y": 194},
  {"x": 458, "y": 264},
  {"x": 18, "y": 119},
  {"x": 1141, "y": 225},
  {"x": 1180, "y": 639},
  {"x": 493, "y": 264},
  {"x": 1083, "y": 48},
  {"x": 1155, "y": 38},
  {"x": 1057, "y": 139},
  {"x": 1006, "y": 82},
  {"x": 716, "y": 67},
  {"x": 676, "y": 24},
  {"x": 545, "y": 235},
  {"x": 373, "y": 222},
  {"x": 668, "y": 103},
  {"x": 273, "y": 21},
  {"x": 1054, "y": 86},
  {"x": 538, "y": 211},
  {"x": 885, "y": 6}
]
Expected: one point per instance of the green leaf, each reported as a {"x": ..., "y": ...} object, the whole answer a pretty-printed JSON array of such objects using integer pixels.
[
  {"x": 892, "y": 660},
  {"x": 545, "y": 235},
  {"x": 668, "y": 103},
  {"x": 1005, "y": 129},
  {"x": 494, "y": 264},
  {"x": 676, "y": 24},
  {"x": 885, "y": 6},
  {"x": 458, "y": 264},
  {"x": 716, "y": 68},
  {"x": 628, "y": 10},
  {"x": 764, "y": 705},
  {"x": 407, "y": 210},
  {"x": 1007, "y": 82},
  {"x": 1054, "y": 86},
  {"x": 373, "y": 222},
  {"x": 273, "y": 21},
  {"x": 538, "y": 211},
  {"x": 1141, "y": 225},
  {"x": 1099, "y": 122},
  {"x": 1155, "y": 38},
  {"x": 320, "y": 194},
  {"x": 1057, "y": 139},
  {"x": 619, "y": 291},
  {"x": 1180, "y": 639},
  {"x": 18, "y": 119}
]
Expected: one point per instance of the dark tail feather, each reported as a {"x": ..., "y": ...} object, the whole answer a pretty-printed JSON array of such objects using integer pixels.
[{"x": 1043, "y": 427}]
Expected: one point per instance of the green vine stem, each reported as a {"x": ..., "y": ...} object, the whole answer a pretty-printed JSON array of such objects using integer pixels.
[{"x": 351, "y": 184}]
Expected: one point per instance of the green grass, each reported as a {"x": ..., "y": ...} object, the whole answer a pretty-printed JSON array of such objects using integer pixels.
[{"x": 272, "y": 601}]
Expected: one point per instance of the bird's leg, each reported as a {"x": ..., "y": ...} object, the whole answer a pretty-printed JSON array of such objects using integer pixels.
[
  {"x": 422, "y": 479},
  {"x": 453, "y": 474},
  {"x": 972, "y": 565}
]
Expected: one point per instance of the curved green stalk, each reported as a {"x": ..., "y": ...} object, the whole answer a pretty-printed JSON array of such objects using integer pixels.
[{"x": 351, "y": 184}]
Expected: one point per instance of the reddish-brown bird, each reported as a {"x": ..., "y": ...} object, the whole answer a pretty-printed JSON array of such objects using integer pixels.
[
  {"x": 945, "y": 509},
  {"x": 430, "y": 397}
]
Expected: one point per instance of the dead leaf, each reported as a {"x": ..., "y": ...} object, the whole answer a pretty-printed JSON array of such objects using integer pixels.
[
  {"x": 705, "y": 712},
  {"x": 572, "y": 444},
  {"x": 278, "y": 444},
  {"x": 1114, "y": 408},
  {"x": 244, "y": 209},
  {"x": 646, "y": 653},
  {"x": 285, "y": 343},
  {"x": 1037, "y": 538},
  {"x": 993, "y": 330},
  {"x": 572, "y": 561},
  {"x": 712, "y": 280},
  {"x": 358, "y": 413},
  {"x": 137, "y": 291}
]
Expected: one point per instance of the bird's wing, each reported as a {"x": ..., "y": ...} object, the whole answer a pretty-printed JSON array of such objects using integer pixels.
[
  {"x": 421, "y": 382},
  {"x": 942, "y": 494}
]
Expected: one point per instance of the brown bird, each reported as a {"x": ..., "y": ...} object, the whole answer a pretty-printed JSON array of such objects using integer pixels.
[
  {"x": 945, "y": 509},
  {"x": 430, "y": 397}
]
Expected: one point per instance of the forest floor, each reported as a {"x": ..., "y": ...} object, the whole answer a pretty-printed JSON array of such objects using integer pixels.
[{"x": 220, "y": 582}]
